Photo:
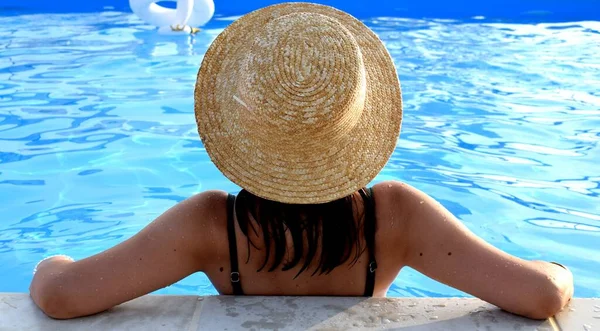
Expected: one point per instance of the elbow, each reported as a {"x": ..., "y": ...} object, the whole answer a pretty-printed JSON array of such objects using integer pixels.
[
  {"x": 54, "y": 302},
  {"x": 52, "y": 307},
  {"x": 546, "y": 308},
  {"x": 56, "y": 309},
  {"x": 551, "y": 300}
]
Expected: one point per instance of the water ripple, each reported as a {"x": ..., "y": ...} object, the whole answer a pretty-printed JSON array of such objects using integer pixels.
[{"x": 97, "y": 135}]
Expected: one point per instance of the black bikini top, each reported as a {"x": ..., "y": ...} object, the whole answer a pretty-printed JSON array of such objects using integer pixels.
[{"x": 369, "y": 231}]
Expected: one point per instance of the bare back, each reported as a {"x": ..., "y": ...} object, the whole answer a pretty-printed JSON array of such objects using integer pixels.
[{"x": 346, "y": 280}]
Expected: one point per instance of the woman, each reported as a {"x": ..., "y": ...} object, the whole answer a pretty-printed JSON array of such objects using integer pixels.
[{"x": 300, "y": 105}]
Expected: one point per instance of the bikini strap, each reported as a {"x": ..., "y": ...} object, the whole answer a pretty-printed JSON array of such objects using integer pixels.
[
  {"x": 369, "y": 230},
  {"x": 234, "y": 276}
]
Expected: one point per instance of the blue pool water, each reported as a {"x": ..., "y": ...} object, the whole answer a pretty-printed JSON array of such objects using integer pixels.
[{"x": 98, "y": 137}]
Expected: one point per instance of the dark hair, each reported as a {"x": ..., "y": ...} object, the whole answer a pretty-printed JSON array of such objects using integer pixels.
[{"x": 337, "y": 226}]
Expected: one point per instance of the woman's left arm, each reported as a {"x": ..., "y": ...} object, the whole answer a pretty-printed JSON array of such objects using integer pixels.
[{"x": 175, "y": 245}]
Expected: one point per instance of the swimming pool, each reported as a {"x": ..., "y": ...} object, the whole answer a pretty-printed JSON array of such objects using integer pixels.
[{"x": 98, "y": 137}]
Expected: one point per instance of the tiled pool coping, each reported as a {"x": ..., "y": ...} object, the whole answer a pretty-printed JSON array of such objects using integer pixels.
[{"x": 163, "y": 312}]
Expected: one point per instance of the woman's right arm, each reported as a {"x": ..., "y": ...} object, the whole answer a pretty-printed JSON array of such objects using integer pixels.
[{"x": 441, "y": 247}]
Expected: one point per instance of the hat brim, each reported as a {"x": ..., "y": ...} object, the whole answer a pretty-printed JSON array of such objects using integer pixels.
[{"x": 318, "y": 175}]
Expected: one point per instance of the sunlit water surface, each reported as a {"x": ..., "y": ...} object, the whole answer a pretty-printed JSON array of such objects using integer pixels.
[{"x": 97, "y": 136}]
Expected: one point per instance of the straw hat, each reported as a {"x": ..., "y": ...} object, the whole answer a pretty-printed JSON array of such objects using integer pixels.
[{"x": 298, "y": 103}]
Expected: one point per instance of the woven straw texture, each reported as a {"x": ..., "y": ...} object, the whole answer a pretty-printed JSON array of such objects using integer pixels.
[{"x": 298, "y": 103}]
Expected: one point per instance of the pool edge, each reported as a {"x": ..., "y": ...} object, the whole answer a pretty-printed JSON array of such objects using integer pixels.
[{"x": 188, "y": 312}]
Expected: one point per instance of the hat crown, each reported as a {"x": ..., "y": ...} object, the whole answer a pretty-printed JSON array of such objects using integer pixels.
[
  {"x": 303, "y": 79},
  {"x": 298, "y": 103}
]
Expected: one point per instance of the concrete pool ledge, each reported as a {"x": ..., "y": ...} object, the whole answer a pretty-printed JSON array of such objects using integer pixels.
[{"x": 166, "y": 312}]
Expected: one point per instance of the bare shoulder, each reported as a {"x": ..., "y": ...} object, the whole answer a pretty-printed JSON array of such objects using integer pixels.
[
  {"x": 399, "y": 192},
  {"x": 205, "y": 214},
  {"x": 405, "y": 200},
  {"x": 403, "y": 214},
  {"x": 394, "y": 205},
  {"x": 203, "y": 208},
  {"x": 205, "y": 200},
  {"x": 398, "y": 199}
]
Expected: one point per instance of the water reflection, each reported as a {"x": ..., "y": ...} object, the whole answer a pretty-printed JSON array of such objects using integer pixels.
[{"x": 97, "y": 134}]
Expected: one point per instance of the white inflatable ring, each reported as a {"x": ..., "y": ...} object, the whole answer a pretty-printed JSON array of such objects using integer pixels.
[{"x": 189, "y": 12}]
